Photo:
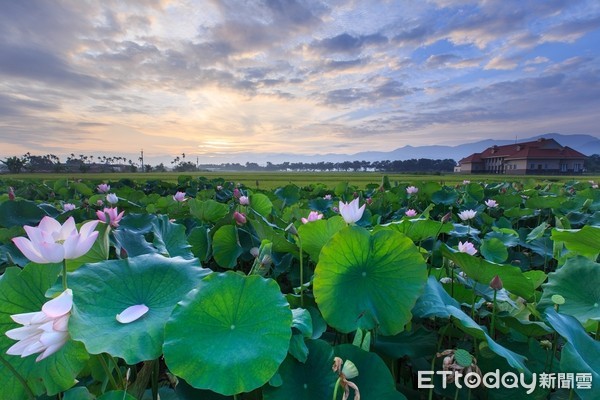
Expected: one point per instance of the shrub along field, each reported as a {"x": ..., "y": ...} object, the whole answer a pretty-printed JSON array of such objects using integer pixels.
[
  {"x": 273, "y": 180},
  {"x": 205, "y": 287}
]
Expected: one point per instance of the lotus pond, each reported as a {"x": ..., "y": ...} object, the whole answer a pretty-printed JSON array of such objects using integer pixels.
[{"x": 207, "y": 289}]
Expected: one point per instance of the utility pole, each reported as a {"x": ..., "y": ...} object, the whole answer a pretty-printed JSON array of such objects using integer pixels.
[{"x": 142, "y": 159}]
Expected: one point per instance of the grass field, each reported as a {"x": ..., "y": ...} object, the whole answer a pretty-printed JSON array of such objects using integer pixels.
[{"x": 270, "y": 180}]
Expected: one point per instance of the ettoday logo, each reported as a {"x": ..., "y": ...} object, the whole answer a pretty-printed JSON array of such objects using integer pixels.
[{"x": 509, "y": 380}]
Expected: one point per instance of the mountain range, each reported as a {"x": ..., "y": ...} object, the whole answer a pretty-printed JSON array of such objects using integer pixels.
[{"x": 585, "y": 144}]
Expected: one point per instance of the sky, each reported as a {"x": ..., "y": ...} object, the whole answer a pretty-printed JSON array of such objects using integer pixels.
[{"x": 223, "y": 80}]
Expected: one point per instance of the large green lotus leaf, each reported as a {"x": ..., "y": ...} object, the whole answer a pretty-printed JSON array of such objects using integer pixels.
[
  {"x": 170, "y": 238},
  {"x": 578, "y": 281},
  {"x": 420, "y": 229},
  {"x": 494, "y": 250},
  {"x": 483, "y": 271},
  {"x": 261, "y": 204},
  {"x": 22, "y": 291},
  {"x": 475, "y": 190},
  {"x": 208, "y": 211},
  {"x": 445, "y": 196},
  {"x": 199, "y": 239},
  {"x": 230, "y": 334},
  {"x": 226, "y": 246},
  {"x": 414, "y": 344},
  {"x": 368, "y": 281},
  {"x": 103, "y": 290},
  {"x": 315, "y": 234},
  {"x": 311, "y": 380},
  {"x": 538, "y": 202},
  {"x": 137, "y": 223},
  {"x": 133, "y": 243},
  {"x": 509, "y": 237},
  {"x": 436, "y": 302},
  {"x": 78, "y": 393},
  {"x": 580, "y": 353},
  {"x": 267, "y": 231},
  {"x": 374, "y": 379},
  {"x": 19, "y": 213},
  {"x": 289, "y": 194},
  {"x": 585, "y": 241},
  {"x": 509, "y": 200}
]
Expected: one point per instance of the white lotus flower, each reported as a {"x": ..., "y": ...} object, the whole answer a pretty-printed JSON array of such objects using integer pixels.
[
  {"x": 491, "y": 203},
  {"x": 51, "y": 242},
  {"x": 412, "y": 190},
  {"x": 351, "y": 212},
  {"x": 43, "y": 331},
  {"x": 467, "y": 214},
  {"x": 467, "y": 247}
]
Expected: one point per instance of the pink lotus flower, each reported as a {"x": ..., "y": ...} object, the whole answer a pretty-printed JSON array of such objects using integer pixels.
[
  {"x": 99, "y": 203},
  {"x": 112, "y": 215},
  {"x": 219, "y": 187},
  {"x": 410, "y": 213},
  {"x": 244, "y": 200},
  {"x": 412, "y": 190},
  {"x": 103, "y": 188},
  {"x": 312, "y": 216},
  {"x": 240, "y": 218},
  {"x": 69, "y": 207},
  {"x": 369, "y": 201},
  {"x": 112, "y": 198},
  {"x": 236, "y": 193},
  {"x": 51, "y": 242},
  {"x": 467, "y": 247},
  {"x": 351, "y": 212},
  {"x": 327, "y": 197},
  {"x": 467, "y": 214},
  {"x": 179, "y": 196},
  {"x": 491, "y": 203},
  {"x": 43, "y": 331},
  {"x": 466, "y": 182}
]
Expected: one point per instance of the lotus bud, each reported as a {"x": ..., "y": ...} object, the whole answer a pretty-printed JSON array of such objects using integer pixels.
[
  {"x": 112, "y": 198},
  {"x": 11, "y": 193},
  {"x": 447, "y": 217},
  {"x": 496, "y": 283},
  {"x": 292, "y": 229},
  {"x": 240, "y": 218}
]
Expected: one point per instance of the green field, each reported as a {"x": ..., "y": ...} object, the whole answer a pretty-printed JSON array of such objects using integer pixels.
[{"x": 270, "y": 180}]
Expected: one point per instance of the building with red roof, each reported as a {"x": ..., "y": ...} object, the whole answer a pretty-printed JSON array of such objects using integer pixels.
[{"x": 542, "y": 156}]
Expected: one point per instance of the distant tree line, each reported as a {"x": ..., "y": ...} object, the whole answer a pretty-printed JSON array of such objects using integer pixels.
[
  {"x": 412, "y": 165},
  {"x": 85, "y": 163}
]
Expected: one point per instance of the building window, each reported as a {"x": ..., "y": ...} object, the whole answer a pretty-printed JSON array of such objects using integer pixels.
[
  {"x": 532, "y": 166},
  {"x": 577, "y": 167},
  {"x": 563, "y": 167}
]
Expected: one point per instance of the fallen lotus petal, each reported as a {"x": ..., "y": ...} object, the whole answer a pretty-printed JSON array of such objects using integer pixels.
[{"x": 132, "y": 313}]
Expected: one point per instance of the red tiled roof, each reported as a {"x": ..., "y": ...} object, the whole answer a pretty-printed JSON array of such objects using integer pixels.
[{"x": 541, "y": 148}]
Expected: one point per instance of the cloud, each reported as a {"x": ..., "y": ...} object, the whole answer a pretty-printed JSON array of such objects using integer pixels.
[
  {"x": 382, "y": 89},
  {"x": 537, "y": 60},
  {"x": 501, "y": 63},
  {"x": 347, "y": 44}
]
